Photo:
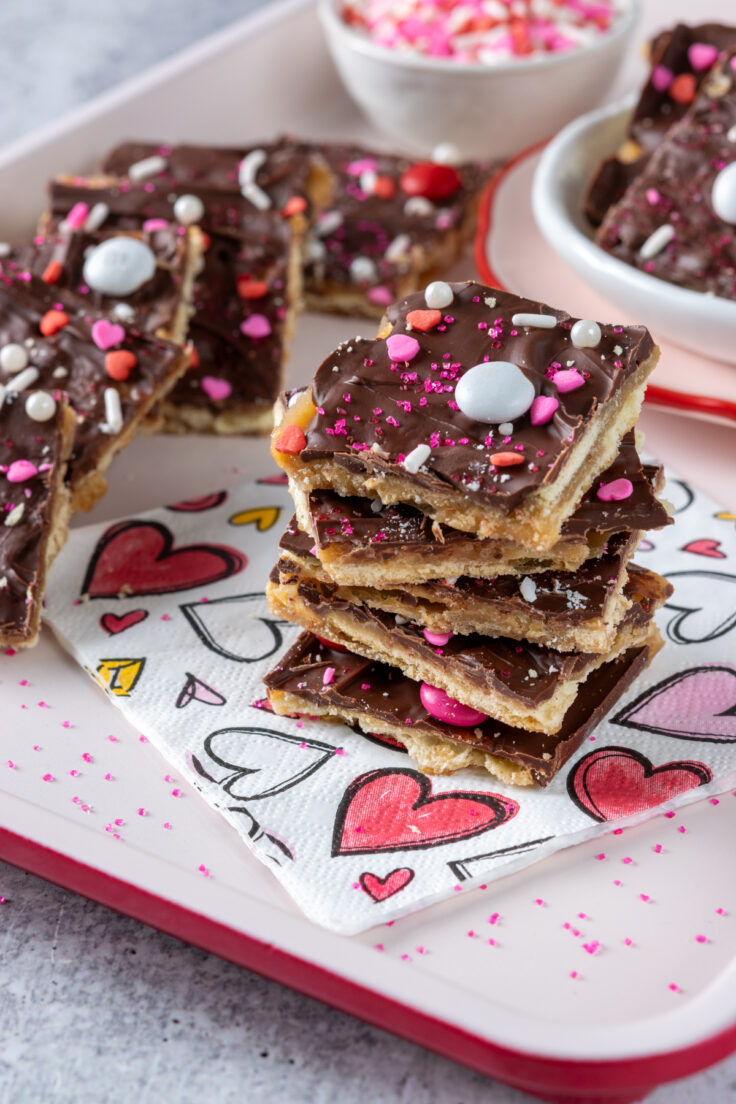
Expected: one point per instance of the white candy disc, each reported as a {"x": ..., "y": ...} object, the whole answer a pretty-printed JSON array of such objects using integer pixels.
[
  {"x": 438, "y": 295},
  {"x": 188, "y": 209},
  {"x": 40, "y": 406},
  {"x": 446, "y": 153},
  {"x": 119, "y": 266},
  {"x": 13, "y": 358},
  {"x": 363, "y": 271},
  {"x": 495, "y": 391},
  {"x": 723, "y": 195},
  {"x": 586, "y": 334}
]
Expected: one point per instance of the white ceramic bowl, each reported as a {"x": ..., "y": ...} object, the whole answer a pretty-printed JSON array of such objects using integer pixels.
[
  {"x": 484, "y": 111},
  {"x": 704, "y": 323}
]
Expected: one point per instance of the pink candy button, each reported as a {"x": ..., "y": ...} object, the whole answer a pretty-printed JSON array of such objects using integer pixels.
[
  {"x": 257, "y": 325},
  {"x": 542, "y": 409},
  {"x": 436, "y": 638},
  {"x": 615, "y": 491},
  {"x": 567, "y": 380},
  {"x": 20, "y": 470},
  {"x": 447, "y": 709},
  {"x": 215, "y": 388}
]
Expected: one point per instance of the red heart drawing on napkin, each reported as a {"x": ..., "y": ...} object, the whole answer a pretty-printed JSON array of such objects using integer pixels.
[
  {"x": 615, "y": 782},
  {"x": 196, "y": 505},
  {"x": 395, "y": 810},
  {"x": 696, "y": 704},
  {"x": 705, "y": 547},
  {"x": 112, "y": 624},
  {"x": 138, "y": 557},
  {"x": 380, "y": 889}
]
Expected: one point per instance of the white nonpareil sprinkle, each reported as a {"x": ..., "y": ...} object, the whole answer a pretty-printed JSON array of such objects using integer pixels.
[
  {"x": 40, "y": 406},
  {"x": 490, "y": 301},
  {"x": 367, "y": 181},
  {"x": 418, "y": 456},
  {"x": 22, "y": 381},
  {"x": 528, "y": 589},
  {"x": 328, "y": 222},
  {"x": 438, "y": 294},
  {"x": 124, "y": 311},
  {"x": 656, "y": 242},
  {"x": 113, "y": 410},
  {"x": 188, "y": 209},
  {"x": 13, "y": 357},
  {"x": 3, "y": 582},
  {"x": 506, "y": 428},
  {"x": 15, "y": 514},
  {"x": 418, "y": 206},
  {"x": 96, "y": 217},
  {"x": 60, "y": 373},
  {"x": 398, "y": 249},
  {"x": 542, "y": 321},
  {"x": 447, "y": 153},
  {"x": 148, "y": 166},
  {"x": 247, "y": 172},
  {"x": 5, "y": 248}
]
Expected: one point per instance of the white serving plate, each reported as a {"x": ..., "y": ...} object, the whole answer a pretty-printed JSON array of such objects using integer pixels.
[
  {"x": 511, "y": 1011},
  {"x": 704, "y": 323}
]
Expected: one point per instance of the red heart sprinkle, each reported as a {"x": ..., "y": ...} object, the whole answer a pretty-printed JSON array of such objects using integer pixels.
[
  {"x": 506, "y": 459},
  {"x": 120, "y": 364},
  {"x": 52, "y": 322},
  {"x": 294, "y": 206},
  {"x": 290, "y": 440},
  {"x": 424, "y": 320},
  {"x": 248, "y": 288},
  {"x": 52, "y": 272}
]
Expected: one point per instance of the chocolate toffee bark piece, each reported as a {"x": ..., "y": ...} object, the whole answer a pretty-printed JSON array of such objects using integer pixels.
[
  {"x": 567, "y": 611},
  {"x": 112, "y": 373},
  {"x": 36, "y": 431},
  {"x": 493, "y": 414},
  {"x": 392, "y": 225},
  {"x": 317, "y": 680},
  {"x": 680, "y": 61},
  {"x": 151, "y": 286},
  {"x": 359, "y": 542},
  {"x": 676, "y": 221},
  {"x": 520, "y": 683},
  {"x": 245, "y": 294}
]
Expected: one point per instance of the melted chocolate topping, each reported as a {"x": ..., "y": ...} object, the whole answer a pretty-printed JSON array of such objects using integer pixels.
[
  {"x": 530, "y": 673},
  {"x": 26, "y": 511},
  {"x": 674, "y": 190},
  {"x": 388, "y": 695},
  {"x": 352, "y": 523},
  {"x": 70, "y": 361},
  {"x": 372, "y": 412}
]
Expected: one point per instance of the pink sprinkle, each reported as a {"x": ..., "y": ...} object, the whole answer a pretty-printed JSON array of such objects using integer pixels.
[
  {"x": 492, "y": 942},
  {"x": 87, "y": 757},
  {"x": 471, "y": 934},
  {"x": 379, "y": 946},
  {"x": 627, "y": 860},
  {"x": 542, "y": 409},
  {"x": 11, "y": 764},
  {"x": 75, "y": 773},
  {"x": 592, "y": 948},
  {"x": 329, "y": 676},
  {"x": 601, "y": 856},
  {"x": 203, "y": 870},
  {"x": 48, "y": 778},
  {"x": 682, "y": 829},
  {"x": 405, "y": 958},
  {"x": 573, "y": 973},
  {"x": 119, "y": 822},
  {"x": 43, "y": 705},
  {"x": 166, "y": 824},
  {"x": 720, "y": 912},
  {"x": 644, "y": 896},
  {"x": 20, "y": 470},
  {"x": 176, "y": 793},
  {"x": 494, "y": 918},
  {"x": 675, "y": 988},
  {"x": 215, "y": 388},
  {"x": 340, "y": 751},
  {"x": 669, "y": 815},
  {"x": 165, "y": 617},
  {"x": 657, "y": 848},
  {"x": 616, "y": 882},
  {"x": 714, "y": 801},
  {"x": 402, "y": 347},
  {"x": 77, "y": 216},
  {"x": 615, "y": 491},
  {"x": 256, "y": 326},
  {"x": 143, "y": 739},
  {"x": 628, "y": 942},
  {"x": 142, "y": 812},
  {"x": 113, "y": 739},
  {"x": 538, "y": 901},
  {"x": 109, "y": 777},
  {"x": 66, "y": 724},
  {"x": 701, "y": 939},
  {"x": 569, "y": 379}
]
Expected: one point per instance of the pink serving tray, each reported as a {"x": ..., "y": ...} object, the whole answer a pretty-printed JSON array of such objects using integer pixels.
[{"x": 511, "y": 1011}]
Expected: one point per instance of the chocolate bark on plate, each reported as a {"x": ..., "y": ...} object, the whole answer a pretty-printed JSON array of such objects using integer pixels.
[
  {"x": 680, "y": 61},
  {"x": 248, "y": 284},
  {"x": 520, "y": 683},
  {"x": 360, "y": 542},
  {"x": 36, "y": 431},
  {"x": 317, "y": 680},
  {"x": 392, "y": 225},
  {"x": 112, "y": 373},
  {"x": 152, "y": 285},
  {"x": 492, "y": 414},
  {"x": 568, "y": 611},
  {"x": 676, "y": 221}
]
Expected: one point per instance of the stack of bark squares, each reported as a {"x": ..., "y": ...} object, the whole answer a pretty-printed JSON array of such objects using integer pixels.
[
  {"x": 161, "y": 292},
  {"x": 665, "y": 203},
  {"x": 468, "y": 498}
]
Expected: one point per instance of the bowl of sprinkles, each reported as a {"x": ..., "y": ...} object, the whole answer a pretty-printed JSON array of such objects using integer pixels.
[{"x": 494, "y": 76}]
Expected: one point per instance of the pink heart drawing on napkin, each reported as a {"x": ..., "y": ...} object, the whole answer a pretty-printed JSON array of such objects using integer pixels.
[
  {"x": 196, "y": 505},
  {"x": 705, "y": 547},
  {"x": 615, "y": 782},
  {"x": 196, "y": 690},
  {"x": 114, "y": 624},
  {"x": 380, "y": 889},
  {"x": 395, "y": 810},
  {"x": 696, "y": 704},
  {"x": 138, "y": 557}
]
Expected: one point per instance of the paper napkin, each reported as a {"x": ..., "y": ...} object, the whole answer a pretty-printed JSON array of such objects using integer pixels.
[{"x": 182, "y": 650}]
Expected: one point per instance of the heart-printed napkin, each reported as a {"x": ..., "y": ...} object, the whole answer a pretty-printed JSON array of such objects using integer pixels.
[{"x": 182, "y": 648}]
